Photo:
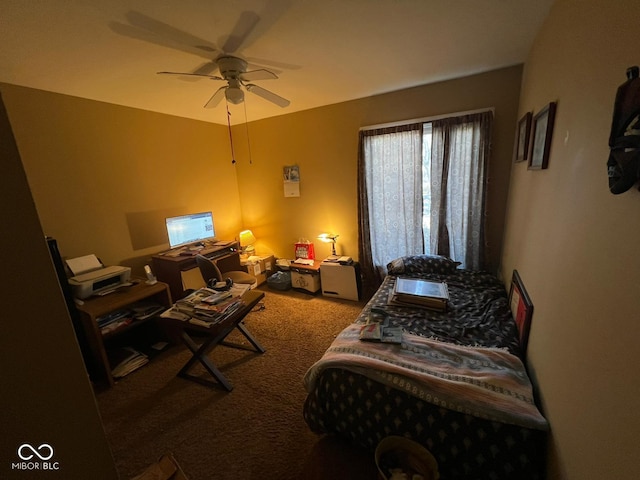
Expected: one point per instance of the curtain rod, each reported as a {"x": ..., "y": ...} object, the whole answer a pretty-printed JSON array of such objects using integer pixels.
[{"x": 426, "y": 119}]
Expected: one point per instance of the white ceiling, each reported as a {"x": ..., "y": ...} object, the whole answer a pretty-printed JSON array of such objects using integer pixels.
[{"x": 324, "y": 52}]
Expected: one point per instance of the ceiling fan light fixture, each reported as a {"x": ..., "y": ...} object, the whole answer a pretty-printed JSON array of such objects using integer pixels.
[{"x": 234, "y": 95}]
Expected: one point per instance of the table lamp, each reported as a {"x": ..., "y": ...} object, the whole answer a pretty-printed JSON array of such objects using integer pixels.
[
  {"x": 329, "y": 238},
  {"x": 247, "y": 239}
]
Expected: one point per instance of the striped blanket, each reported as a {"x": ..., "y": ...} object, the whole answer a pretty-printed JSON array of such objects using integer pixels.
[{"x": 485, "y": 382}]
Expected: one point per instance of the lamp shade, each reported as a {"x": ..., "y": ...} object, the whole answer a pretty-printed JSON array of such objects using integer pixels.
[
  {"x": 328, "y": 237},
  {"x": 234, "y": 95},
  {"x": 247, "y": 238}
]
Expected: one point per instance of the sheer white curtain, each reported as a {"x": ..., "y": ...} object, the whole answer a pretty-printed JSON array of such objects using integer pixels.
[
  {"x": 416, "y": 198},
  {"x": 393, "y": 171},
  {"x": 459, "y": 155}
]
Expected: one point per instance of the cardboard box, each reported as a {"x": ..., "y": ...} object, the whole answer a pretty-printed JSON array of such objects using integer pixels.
[
  {"x": 260, "y": 266},
  {"x": 166, "y": 468}
]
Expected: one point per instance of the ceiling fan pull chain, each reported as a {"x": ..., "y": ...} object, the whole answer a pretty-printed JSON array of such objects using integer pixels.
[
  {"x": 233, "y": 156},
  {"x": 246, "y": 124}
]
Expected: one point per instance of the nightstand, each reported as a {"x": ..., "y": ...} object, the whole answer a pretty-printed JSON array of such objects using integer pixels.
[{"x": 305, "y": 277}]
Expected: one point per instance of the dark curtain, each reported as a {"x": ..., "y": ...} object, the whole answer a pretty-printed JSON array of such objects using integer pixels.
[
  {"x": 459, "y": 157},
  {"x": 371, "y": 277}
]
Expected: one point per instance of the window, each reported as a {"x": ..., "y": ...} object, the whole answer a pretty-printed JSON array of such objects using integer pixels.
[
  {"x": 426, "y": 184},
  {"x": 423, "y": 190}
]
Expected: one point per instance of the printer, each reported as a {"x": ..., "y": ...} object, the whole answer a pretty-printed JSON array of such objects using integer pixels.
[{"x": 92, "y": 278}]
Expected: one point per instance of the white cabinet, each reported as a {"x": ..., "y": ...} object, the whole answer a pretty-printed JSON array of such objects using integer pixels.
[{"x": 340, "y": 281}]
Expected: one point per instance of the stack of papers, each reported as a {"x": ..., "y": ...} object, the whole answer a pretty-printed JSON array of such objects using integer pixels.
[
  {"x": 115, "y": 320},
  {"x": 207, "y": 307},
  {"x": 416, "y": 292},
  {"x": 125, "y": 360},
  {"x": 304, "y": 261},
  {"x": 145, "y": 309},
  {"x": 121, "y": 318}
]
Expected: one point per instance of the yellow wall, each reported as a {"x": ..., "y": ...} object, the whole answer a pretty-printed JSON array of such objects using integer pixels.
[
  {"x": 104, "y": 176},
  {"x": 323, "y": 142},
  {"x": 576, "y": 245}
]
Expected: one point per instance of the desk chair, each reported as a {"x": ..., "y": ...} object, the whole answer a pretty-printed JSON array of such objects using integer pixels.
[{"x": 210, "y": 271}]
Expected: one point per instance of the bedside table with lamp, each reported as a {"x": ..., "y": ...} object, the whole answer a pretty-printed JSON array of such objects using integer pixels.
[
  {"x": 339, "y": 275},
  {"x": 260, "y": 266}
]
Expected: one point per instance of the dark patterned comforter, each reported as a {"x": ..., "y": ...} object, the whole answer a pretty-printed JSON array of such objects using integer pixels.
[
  {"x": 364, "y": 410},
  {"x": 478, "y": 312}
]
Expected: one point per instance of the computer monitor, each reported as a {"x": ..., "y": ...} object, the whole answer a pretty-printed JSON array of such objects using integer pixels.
[{"x": 191, "y": 228}]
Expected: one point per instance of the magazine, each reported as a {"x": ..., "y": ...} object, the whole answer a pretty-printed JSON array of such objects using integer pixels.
[
  {"x": 377, "y": 328},
  {"x": 375, "y": 332},
  {"x": 207, "y": 307}
]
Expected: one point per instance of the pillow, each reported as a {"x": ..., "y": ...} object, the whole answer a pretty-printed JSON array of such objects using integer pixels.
[{"x": 422, "y": 264}]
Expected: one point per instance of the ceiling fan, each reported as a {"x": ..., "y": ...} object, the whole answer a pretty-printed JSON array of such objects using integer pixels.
[{"x": 233, "y": 70}]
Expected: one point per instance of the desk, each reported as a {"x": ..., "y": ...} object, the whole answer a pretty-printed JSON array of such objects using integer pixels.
[
  {"x": 171, "y": 270},
  {"x": 214, "y": 336}
]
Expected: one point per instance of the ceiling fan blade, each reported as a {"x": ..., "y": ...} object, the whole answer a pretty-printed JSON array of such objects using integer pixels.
[
  {"x": 203, "y": 71},
  {"x": 257, "y": 66},
  {"x": 153, "y": 31},
  {"x": 242, "y": 29},
  {"x": 188, "y": 74},
  {"x": 267, "y": 95},
  {"x": 206, "y": 68},
  {"x": 259, "y": 74},
  {"x": 215, "y": 98},
  {"x": 167, "y": 31},
  {"x": 271, "y": 64}
]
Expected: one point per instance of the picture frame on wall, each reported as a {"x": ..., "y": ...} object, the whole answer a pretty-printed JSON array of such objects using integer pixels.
[
  {"x": 521, "y": 309},
  {"x": 522, "y": 138},
  {"x": 541, "y": 137}
]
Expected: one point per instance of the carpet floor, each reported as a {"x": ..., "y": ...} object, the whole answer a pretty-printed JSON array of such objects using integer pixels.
[{"x": 254, "y": 432}]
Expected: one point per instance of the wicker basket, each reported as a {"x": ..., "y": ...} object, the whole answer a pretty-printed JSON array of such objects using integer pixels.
[{"x": 401, "y": 458}]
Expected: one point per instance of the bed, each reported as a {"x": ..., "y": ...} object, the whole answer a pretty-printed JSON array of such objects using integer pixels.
[{"x": 457, "y": 384}]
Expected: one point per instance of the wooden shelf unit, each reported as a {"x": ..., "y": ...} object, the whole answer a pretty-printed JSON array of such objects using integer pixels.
[{"x": 96, "y": 307}]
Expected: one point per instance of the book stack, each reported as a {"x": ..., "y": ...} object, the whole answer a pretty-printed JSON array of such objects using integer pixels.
[
  {"x": 125, "y": 360},
  {"x": 415, "y": 292},
  {"x": 145, "y": 309},
  {"x": 120, "y": 319},
  {"x": 207, "y": 307},
  {"x": 114, "y": 321}
]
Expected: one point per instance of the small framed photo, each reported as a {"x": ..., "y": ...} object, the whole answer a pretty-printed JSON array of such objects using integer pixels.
[
  {"x": 521, "y": 309},
  {"x": 541, "y": 137},
  {"x": 522, "y": 138}
]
